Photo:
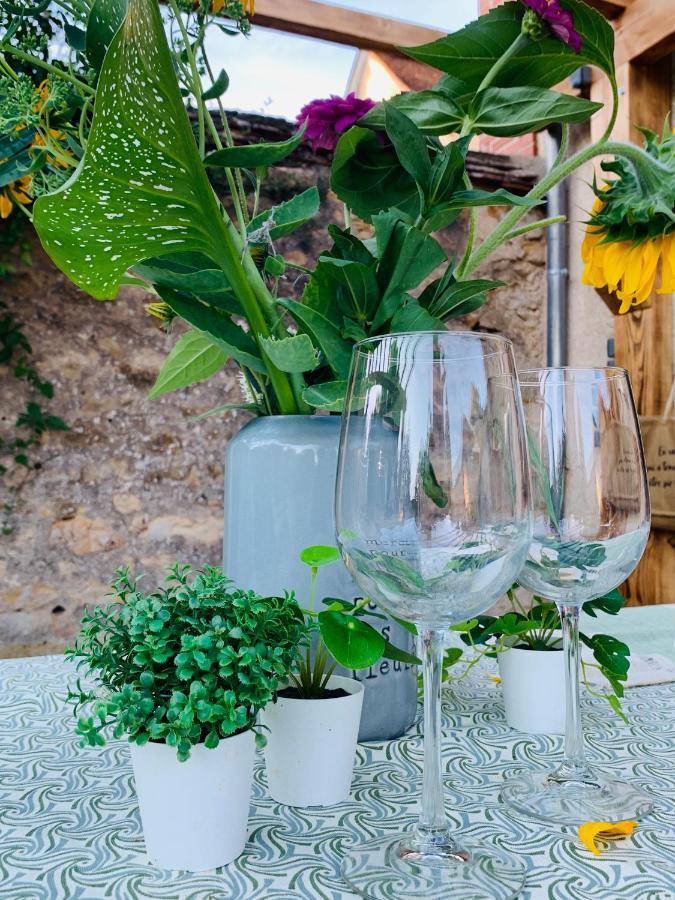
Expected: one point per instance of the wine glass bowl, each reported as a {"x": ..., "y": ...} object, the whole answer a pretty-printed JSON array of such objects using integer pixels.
[
  {"x": 432, "y": 508},
  {"x": 591, "y": 523},
  {"x": 433, "y": 522}
]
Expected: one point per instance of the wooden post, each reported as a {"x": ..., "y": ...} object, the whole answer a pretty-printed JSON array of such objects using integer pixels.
[{"x": 644, "y": 338}]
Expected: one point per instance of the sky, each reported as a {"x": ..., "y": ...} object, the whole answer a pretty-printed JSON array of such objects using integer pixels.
[{"x": 276, "y": 74}]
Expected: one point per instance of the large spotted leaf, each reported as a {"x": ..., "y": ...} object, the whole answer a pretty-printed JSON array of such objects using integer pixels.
[{"x": 140, "y": 190}]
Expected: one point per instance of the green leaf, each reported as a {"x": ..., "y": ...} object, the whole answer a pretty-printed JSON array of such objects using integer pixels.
[
  {"x": 218, "y": 88},
  {"x": 360, "y": 283},
  {"x": 430, "y": 484},
  {"x": 75, "y": 37},
  {"x": 286, "y": 217},
  {"x": 193, "y": 275},
  {"x": 352, "y": 642},
  {"x": 451, "y": 656},
  {"x": 473, "y": 50},
  {"x": 413, "y": 317},
  {"x": 514, "y": 111},
  {"x": 399, "y": 655},
  {"x": 409, "y": 143},
  {"x": 448, "y": 171},
  {"x": 433, "y": 112},
  {"x": 611, "y": 603},
  {"x": 140, "y": 189},
  {"x": 292, "y": 354},
  {"x": 252, "y": 156},
  {"x": 319, "y": 555},
  {"x": 105, "y": 18},
  {"x": 336, "y": 349},
  {"x": 220, "y": 328},
  {"x": 408, "y": 626},
  {"x": 329, "y": 396},
  {"x": 193, "y": 358},
  {"x": 456, "y": 299},
  {"x": 368, "y": 176},
  {"x": 410, "y": 256}
]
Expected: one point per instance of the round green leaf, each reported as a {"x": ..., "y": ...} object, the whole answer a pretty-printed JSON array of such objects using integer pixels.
[
  {"x": 352, "y": 642},
  {"x": 319, "y": 556}
]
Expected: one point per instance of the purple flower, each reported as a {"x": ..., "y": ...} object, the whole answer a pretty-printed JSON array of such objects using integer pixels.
[
  {"x": 559, "y": 20},
  {"x": 327, "y": 119}
]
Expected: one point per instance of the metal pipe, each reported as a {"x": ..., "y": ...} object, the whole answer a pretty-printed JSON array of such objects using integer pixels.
[{"x": 557, "y": 272}]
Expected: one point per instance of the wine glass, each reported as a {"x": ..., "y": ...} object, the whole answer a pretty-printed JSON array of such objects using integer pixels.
[
  {"x": 433, "y": 520},
  {"x": 591, "y": 523}
]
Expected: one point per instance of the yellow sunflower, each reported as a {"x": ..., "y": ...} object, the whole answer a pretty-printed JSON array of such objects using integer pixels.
[
  {"x": 628, "y": 268},
  {"x": 16, "y": 192}
]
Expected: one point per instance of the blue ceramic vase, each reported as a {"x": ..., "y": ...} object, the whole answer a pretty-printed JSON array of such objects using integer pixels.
[{"x": 279, "y": 498}]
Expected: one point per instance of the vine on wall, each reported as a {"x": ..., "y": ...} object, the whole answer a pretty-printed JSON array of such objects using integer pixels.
[{"x": 18, "y": 460}]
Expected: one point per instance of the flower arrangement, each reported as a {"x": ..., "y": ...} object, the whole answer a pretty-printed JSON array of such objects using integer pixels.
[
  {"x": 139, "y": 205},
  {"x": 536, "y": 626},
  {"x": 341, "y": 636},
  {"x": 187, "y": 664}
]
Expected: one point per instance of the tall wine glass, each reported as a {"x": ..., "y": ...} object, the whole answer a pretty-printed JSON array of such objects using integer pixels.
[
  {"x": 433, "y": 520},
  {"x": 591, "y": 523}
]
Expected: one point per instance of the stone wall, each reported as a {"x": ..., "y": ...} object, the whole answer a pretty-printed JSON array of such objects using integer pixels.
[{"x": 139, "y": 483}]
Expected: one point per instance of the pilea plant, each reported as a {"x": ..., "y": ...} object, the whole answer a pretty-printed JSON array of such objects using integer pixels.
[
  {"x": 537, "y": 627},
  {"x": 186, "y": 664},
  {"x": 341, "y": 636}
]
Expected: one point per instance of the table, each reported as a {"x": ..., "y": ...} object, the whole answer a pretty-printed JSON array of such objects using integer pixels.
[{"x": 70, "y": 828}]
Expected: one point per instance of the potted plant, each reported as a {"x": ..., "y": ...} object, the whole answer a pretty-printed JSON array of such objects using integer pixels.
[
  {"x": 123, "y": 186},
  {"x": 183, "y": 671},
  {"x": 526, "y": 641},
  {"x": 313, "y": 722}
]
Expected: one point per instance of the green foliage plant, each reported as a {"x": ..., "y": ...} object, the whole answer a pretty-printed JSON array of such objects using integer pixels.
[
  {"x": 340, "y": 634},
  {"x": 537, "y": 627},
  {"x": 140, "y": 203},
  {"x": 189, "y": 663}
]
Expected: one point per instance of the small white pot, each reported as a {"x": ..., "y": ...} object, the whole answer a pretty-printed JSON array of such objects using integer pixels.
[
  {"x": 533, "y": 684},
  {"x": 195, "y": 813},
  {"x": 311, "y": 745}
]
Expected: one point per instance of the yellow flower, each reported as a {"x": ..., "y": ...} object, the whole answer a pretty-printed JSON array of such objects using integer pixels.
[
  {"x": 626, "y": 268},
  {"x": 16, "y": 192},
  {"x": 249, "y": 6},
  {"x": 589, "y": 831},
  {"x": 58, "y": 136}
]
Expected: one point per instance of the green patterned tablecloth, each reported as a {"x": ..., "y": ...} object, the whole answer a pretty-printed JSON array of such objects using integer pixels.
[{"x": 70, "y": 829}]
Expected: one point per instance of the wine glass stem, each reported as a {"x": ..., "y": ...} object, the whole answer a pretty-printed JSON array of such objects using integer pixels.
[
  {"x": 432, "y": 827},
  {"x": 574, "y": 737}
]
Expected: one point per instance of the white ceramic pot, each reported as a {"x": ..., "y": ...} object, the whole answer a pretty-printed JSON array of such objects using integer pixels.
[
  {"x": 311, "y": 745},
  {"x": 195, "y": 813},
  {"x": 533, "y": 685}
]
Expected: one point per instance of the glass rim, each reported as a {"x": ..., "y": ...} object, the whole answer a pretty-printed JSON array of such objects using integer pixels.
[
  {"x": 497, "y": 338},
  {"x": 598, "y": 373}
]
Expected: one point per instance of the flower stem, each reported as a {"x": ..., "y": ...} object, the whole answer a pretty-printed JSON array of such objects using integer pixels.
[
  {"x": 633, "y": 154},
  {"x": 196, "y": 81},
  {"x": 48, "y": 67},
  {"x": 519, "y": 42}
]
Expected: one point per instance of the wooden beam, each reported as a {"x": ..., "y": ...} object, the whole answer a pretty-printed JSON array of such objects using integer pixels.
[
  {"x": 646, "y": 31},
  {"x": 611, "y": 9},
  {"x": 340, "y": 25},
  {"x": 644, "y": 338}
]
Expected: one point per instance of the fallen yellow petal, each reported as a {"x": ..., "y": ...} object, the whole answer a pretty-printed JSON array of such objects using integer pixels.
[
  {"x": 495, "y": 678},
  {"x": 589, "y": 831}
]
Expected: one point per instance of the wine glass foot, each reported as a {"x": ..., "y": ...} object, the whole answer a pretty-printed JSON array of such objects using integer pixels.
[
  {"x": 574, "y": 796},
  {"x": 397, "y": 868}
]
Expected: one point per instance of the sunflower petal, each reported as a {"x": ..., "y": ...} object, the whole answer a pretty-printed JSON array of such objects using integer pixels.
[{"x": 589, "y": 831}]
